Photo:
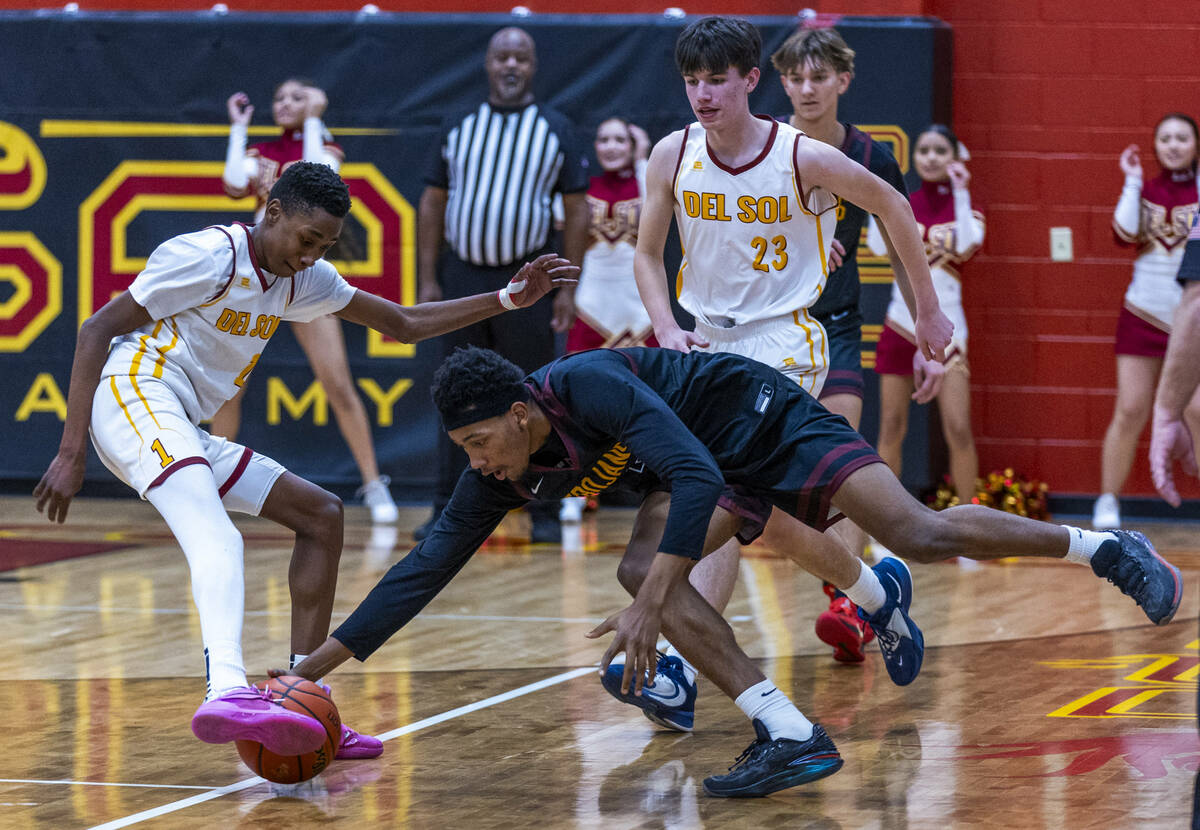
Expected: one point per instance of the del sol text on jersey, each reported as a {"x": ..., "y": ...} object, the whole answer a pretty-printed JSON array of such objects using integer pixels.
[
  {"x": 238, "y": 323},
  {"x": 764, "y": 209}
]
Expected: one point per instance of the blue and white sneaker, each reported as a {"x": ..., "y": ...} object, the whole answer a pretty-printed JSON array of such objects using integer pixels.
[
  {"x": 670, "y": 701},
  {"x": 900, "y": 640}
]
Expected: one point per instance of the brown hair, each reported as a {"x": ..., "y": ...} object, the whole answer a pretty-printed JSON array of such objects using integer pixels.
[{"x": 819, "y": 46}]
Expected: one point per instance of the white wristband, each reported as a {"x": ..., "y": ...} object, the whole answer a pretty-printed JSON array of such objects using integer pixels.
[{"x": 516, "y": 286}]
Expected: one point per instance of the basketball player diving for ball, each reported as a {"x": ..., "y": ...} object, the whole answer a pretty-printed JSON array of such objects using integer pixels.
[
  {"x": 166, "y": 354},
  {"x": 711, "y": 443}
]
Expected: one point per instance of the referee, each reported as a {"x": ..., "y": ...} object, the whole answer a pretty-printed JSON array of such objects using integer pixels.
[{"x": 486, "y": 206}]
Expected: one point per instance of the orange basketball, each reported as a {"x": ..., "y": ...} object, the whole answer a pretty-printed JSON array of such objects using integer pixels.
[{"x": 304, "y": 696}]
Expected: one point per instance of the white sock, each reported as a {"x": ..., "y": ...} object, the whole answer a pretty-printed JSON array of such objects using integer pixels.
[
  {"x": 1084, "y": 543},
  {"x": 689, "y": 671},
  {"x": 764, "y": 702},
  {"x": 223, "y": 668},
  {"x": 867, "y": 592},
  {"x": 189, "y": 503}
]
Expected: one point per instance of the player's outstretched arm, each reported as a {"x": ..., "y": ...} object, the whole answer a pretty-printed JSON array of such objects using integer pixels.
[
  {"x": 410, "y": 324},
  {"x": 655, "y": 222},
  {"x": 823, "y": 165},
  {"x": 64, "y": 477}
]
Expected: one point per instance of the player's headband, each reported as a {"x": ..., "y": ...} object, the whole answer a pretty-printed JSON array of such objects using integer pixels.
[{"x": 488, "y": 404}]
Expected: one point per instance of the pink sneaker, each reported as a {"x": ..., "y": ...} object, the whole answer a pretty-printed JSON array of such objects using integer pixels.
[
  {"x": 355, "y": 745},
  {"x": 253, "y": 715}
]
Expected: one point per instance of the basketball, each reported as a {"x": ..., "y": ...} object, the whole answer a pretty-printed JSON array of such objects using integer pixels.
[{"x": 303, "y": 696}]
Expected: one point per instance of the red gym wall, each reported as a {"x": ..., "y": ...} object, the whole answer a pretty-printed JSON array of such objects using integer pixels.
[{"x": 1046, "y": 94}]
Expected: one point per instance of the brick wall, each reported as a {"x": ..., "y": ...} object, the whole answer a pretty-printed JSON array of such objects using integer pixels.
[{"x": 1046, "y": 95}]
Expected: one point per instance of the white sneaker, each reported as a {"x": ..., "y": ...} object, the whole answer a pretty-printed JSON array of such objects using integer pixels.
[
  {"x": 571, "y": 509},
  {"x": 1106, "y": 515},
  {"x": 375, "y": 495}
]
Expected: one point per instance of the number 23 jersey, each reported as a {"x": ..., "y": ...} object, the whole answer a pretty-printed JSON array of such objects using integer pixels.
[
  {"x": 755, "y": 242},
  {"x": 214, "y": 308}
]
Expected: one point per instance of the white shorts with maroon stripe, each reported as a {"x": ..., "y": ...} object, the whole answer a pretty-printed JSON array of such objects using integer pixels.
[{"x": 142, "y": 435}]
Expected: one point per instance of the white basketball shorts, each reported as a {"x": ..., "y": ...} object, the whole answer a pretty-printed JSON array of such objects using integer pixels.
[
  {"x": 142, "y": 435},
  {"x": 795, "y": 344}
]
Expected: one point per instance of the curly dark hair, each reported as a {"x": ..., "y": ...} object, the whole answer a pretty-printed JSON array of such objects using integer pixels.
[
  {"x": 474, "y": 384},
  {"x": 306, "y": 185},
  {"x": 713, "y": 44}
]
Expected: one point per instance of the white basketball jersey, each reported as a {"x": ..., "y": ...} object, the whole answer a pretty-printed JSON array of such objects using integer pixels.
[
  {"x": 755, "y": 241},
  {"x": 214, "y": 310}
]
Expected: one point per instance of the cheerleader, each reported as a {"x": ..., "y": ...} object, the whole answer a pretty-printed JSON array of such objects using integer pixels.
[
  {"x": 953, "y": 231},
  {"x": 1154, "y": 217}
]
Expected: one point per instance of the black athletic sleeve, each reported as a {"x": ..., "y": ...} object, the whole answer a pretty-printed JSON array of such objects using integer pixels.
[
  {"x": 476, "y": 508},
  {"x": 604, "y": 396},
  {"x": 883, "y": 164}
]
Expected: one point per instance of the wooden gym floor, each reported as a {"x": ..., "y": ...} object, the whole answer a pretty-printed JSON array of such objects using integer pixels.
[{"x": 1046, "y": 699}]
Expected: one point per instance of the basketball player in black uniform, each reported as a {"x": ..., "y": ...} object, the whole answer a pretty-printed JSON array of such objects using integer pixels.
[{"x": 692, "y": 432}]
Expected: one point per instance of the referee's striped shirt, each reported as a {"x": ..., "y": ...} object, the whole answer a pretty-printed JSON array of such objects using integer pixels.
[{"x": 501, "y": 167}]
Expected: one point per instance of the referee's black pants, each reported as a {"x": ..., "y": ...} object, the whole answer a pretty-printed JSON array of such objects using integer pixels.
[{"x": 522, "y": 336}]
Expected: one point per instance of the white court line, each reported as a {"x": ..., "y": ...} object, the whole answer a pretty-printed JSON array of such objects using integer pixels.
[
  {"x": 101, "y": 784},
  {"x": 175, "y": 806},
  {"x": 112, "y": 609}
]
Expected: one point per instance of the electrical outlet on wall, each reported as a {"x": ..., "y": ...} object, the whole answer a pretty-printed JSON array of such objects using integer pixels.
[{"x": 1061, "y": 249}]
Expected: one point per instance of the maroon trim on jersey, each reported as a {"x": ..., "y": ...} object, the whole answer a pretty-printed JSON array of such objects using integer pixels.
[
  {"x": 679, "y": 161},
  {"x": 852, "y": 135},
  {"x": 178, "y": 465},
  {"x": 796, "y": 174},
  {"x": 242, "y": 464},
  {"x": 815, "y": 497},
  {"x": 733, "y": 171},
  {"x": 266, "y": 286},
  {"x": 232, "y": 268}
]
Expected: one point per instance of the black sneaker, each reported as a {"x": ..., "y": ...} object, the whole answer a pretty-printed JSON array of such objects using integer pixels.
[
  {"x": 771, "y": 765},
  {"x": 1132, "y": 564}
]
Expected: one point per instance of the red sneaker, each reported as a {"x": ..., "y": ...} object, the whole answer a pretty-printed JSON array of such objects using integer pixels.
[{"x": 841, "y": 628}]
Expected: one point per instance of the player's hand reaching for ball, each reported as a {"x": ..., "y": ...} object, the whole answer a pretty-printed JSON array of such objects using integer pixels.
[
  {"x": 636, "y": 633},
  {"x": 538, "y": 278},
  {"x": 59, "y": 485}
]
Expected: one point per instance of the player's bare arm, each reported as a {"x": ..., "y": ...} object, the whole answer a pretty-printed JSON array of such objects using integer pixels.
[
  {"x": 64, "y": 476},
  {"x": 411, "y": 324},
  {"x": 822, "y": 165},
  {"x": 655, "y": 222}
]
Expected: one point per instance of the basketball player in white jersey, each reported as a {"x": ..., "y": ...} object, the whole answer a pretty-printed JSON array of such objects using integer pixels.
[
  {"x": 184, "y": 338},
  {"x": 754, "y": 201}
]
